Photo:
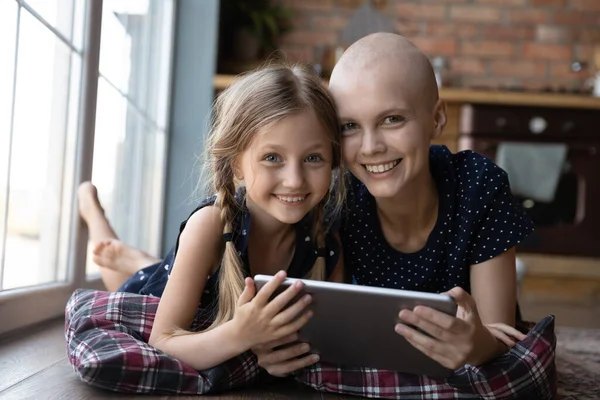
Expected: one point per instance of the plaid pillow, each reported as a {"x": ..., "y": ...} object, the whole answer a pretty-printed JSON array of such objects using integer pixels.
[
  {"x": 107, "y": 335},
  {"x": 527, "y": 371}
]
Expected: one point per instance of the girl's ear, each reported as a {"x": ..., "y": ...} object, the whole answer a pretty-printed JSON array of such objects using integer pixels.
[{"x": 237, "y": 171}]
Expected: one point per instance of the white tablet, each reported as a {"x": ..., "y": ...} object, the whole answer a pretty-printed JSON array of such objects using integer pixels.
[{"x": 353, "y": 325}]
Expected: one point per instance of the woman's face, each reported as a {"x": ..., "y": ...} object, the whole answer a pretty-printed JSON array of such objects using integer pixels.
[{"x": 386, "y": 131}]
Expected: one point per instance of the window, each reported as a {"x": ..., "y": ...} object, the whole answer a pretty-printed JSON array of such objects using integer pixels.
[
  {"x": 132, "y": 116},
  {"x": 49, "y": 94}
]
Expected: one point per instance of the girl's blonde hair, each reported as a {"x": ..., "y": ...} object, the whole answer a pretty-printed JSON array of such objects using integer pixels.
[{"x": 253, "y": 103}]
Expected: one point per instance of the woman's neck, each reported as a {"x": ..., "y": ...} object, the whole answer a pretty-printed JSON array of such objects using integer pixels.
[{"x": 408, "y": 218}]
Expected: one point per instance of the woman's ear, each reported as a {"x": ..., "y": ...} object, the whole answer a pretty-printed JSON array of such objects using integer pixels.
[{"x": 439, "y": 118}]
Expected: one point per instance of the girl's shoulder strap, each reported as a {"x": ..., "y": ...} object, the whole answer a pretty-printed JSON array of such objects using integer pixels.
[
  {"x": 307, "y": 249},
  {"x": 239, "y": 224}
]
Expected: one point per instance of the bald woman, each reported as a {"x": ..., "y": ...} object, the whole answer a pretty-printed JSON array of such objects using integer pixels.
[{"x": 420, "y": 217}]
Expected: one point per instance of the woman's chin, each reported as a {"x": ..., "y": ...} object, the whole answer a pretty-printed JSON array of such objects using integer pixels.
[{"x": 382, "y": 189}]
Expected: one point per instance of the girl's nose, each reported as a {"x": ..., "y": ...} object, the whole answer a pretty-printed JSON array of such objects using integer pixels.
[{"x": 293, "y": 177}]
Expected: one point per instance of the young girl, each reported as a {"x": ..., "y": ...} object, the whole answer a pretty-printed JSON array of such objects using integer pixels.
[
  {"x": 419, "y": 217},
  {"x": 273, "y": 146}
]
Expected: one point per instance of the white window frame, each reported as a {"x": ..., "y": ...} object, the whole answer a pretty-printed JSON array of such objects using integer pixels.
[
  {"x": 192, "y": 73},
  {"x": 26, "y": 306}
]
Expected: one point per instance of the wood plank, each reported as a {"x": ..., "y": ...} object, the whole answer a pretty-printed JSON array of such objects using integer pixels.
[
  {"x": 24, "y": 355},
  {"x": 60, "y": 382},
  {"x": 574, "y": 300},
  {"x": 561, "y": 266},
  {"x": 566, "y": 316},
  {"x": 451, "y": 130},
  {"x": 33, "y": 365},
  {"x": 566, "y": 291},
  {"x": 460, "y": 95},
  {"x": 283, "y": 389},
  {"x": 556, "y": 100}
]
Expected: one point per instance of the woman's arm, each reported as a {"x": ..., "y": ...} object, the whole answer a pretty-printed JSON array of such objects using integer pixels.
[
  {"x": 494, "y": 288},
  {"x": 476, "y": 334}
]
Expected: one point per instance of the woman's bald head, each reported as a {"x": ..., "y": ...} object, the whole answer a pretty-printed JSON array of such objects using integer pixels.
[{"x": 392, "y": 57}]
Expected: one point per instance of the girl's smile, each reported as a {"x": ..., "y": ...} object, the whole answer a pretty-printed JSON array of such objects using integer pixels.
[{"x": 292, "y": 199}]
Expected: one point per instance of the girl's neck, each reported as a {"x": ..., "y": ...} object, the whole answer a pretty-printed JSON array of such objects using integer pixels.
[
  {"x": 413, "y": 210},
  {"x": 265, "y": 225},
  {"x": 271, "y": 243}
]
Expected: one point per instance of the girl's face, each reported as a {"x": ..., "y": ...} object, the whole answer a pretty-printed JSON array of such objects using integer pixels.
[{"x": 287, "y": 168}]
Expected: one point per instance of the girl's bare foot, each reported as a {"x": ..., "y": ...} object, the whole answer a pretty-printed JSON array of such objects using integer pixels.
[
  {"x": 118, "y": 256},
  {"x": 119, "y": 260},
  {"x": 90, "y": 208}
]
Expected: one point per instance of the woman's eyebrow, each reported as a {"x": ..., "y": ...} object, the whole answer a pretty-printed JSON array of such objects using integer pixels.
[
  {"x": 395, "y": 110},
  {"x": 385, "y": 112}
]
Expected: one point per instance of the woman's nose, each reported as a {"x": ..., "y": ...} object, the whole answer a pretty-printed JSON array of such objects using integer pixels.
[{"x": 372, "y": 143}]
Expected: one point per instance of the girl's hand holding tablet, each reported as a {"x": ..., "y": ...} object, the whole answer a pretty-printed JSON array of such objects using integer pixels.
[{"x": 259, "y": 320}]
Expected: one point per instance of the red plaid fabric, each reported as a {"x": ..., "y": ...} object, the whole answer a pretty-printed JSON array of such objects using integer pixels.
[
  {"x": 107, "y": 335},
  {"x": 527, "y": 371}
]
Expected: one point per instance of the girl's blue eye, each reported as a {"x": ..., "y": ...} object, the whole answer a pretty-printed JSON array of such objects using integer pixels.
[
  {"x": 272, "y": 158},
  {"x": 314, "y": 158},
  {"x": 394, "y": 119},
  {"x": 348, "y": 127}
]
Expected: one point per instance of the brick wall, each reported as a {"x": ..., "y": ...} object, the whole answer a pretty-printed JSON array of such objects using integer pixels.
[{"x": 489, "y": 43}]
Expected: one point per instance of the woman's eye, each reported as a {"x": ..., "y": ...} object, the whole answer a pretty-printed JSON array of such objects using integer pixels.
[
  {"x": 314, "y": 158},
  {"x": 394, "y": 119},
  {"x": 272, "y": 158}
]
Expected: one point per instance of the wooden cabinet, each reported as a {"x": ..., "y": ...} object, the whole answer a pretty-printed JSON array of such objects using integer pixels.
[
  {"x": 455, "y": 98},
  {"x": 537, "y": 264}
]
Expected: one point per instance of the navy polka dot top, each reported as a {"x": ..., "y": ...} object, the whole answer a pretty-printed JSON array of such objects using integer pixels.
[
  {"x": 153, "y": 279},
  {"x": 478, "y": 219}
]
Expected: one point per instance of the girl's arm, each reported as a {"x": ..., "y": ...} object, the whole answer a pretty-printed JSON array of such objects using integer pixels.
[{"x": 200, "y": 250}]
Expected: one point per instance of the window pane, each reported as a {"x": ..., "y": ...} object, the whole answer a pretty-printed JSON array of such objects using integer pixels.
[
  {"x": 8, "y": 32},
  {"x": 135, "y": 53},
  {"x": 131, "y": 119},
  {"x": 42, "y": 127},
  {"x": 128, "y": 170},
  {"x": 66, "y": 16}
]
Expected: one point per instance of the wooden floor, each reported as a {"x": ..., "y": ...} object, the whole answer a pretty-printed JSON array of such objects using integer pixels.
[
  {"x": 574, "y": 300},
  {"x": 34, "y": 366}
]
